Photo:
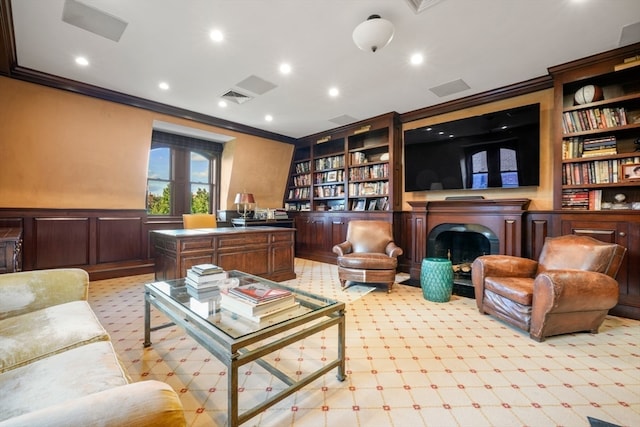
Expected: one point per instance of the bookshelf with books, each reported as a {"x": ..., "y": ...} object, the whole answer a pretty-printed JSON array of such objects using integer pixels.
[
  {"x": 299, "y": 189},
  {"x": 598, "y": 132},
  {"x": 594, "y": 190},
  {"x": 355, "y": 173}
]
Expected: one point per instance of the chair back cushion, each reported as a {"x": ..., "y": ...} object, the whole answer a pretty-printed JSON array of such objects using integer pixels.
[
  {"x": 369, "y": 236},
  {"x": 199, "y": 221},
  {"x": 575, "y": 252}
]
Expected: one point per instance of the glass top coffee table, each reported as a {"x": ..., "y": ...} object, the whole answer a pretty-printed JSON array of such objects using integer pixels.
[{"x": 236, "y": 341}]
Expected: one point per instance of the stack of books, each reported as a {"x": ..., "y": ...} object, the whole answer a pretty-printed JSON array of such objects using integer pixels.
[
  {"x": 599, "y": 146},
  {"x": 257, "y": 301},
  {"x": 205, "y": 277}
]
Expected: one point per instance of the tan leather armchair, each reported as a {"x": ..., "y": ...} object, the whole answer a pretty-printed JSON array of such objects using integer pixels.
[
  {"x": 369, "y": 255},
  {"x": 569, "y": 289}
]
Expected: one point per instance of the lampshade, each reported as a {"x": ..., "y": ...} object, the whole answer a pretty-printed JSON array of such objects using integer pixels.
[
  {"x": 373, "y": 34},
  {"x": 244, "y": 198}
]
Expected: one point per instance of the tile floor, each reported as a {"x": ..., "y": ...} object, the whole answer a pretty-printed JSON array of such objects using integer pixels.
[{"x": 410, "y": 362}]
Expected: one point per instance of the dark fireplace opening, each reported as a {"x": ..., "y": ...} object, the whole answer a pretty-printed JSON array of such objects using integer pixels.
[{"x": 461, "y": 244}]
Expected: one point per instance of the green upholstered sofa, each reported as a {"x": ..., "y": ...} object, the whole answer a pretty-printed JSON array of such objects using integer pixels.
[{"x": 58, "y": 366}]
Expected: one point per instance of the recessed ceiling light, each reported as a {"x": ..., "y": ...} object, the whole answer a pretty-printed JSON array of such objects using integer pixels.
[
  {"x": 417, "y": 59},
  {"x": 285, "y": 68},
  {"x": 268, "y": 118},
  {"x": 333, "y": 92},
  {"x": 222, "y": 103},
  {"x": 216, "y": 35},
  {"x": 163, "y": 85},
  {"x": 81, "y": 60}
]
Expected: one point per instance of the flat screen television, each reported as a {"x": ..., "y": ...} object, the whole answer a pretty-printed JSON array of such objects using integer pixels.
[{"x": 494, "y": 150}]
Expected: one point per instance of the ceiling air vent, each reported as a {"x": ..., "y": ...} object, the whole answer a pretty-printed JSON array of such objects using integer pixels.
[
  {"x": 237, "y": 97},
  {"x": 420, "y": 5}
]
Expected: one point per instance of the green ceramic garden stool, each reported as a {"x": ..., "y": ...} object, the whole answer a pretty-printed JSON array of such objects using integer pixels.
[{"x": 436, "y": 279}]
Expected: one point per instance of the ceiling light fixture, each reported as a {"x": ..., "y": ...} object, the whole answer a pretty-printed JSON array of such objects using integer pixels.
[
  {"x": 333, "y": 92},
  {"x": 373, "y": 34},
  {"x": 82, "y": 61},
  {"x": 163, "y": 85},
  {"x": 285, "y": 68},
  {"x": 216, "y": 35}
]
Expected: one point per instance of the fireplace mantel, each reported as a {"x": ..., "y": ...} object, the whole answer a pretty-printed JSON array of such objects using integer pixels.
[
  {"x": 475, "y": 205},
  {"x": 502, "y": 216}
]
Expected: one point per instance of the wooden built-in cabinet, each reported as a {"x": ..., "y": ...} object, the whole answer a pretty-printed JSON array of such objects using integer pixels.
[
  {"x": 597, "y": 140},
  {"x": 622, "y": 227}
]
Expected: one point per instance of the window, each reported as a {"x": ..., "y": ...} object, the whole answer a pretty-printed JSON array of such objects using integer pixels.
[{"x": 183, "y": 175}]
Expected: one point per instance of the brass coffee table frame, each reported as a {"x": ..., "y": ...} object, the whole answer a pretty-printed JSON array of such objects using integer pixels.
[{"x": 316, "y": 314}]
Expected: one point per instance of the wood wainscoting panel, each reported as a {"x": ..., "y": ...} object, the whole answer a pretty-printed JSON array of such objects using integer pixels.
[
  {"x": 118, "y": 239},
  {"x": 61, "y": 242}
]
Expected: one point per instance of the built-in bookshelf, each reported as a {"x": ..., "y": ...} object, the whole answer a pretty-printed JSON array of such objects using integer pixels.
[
  {"x": 599, "y": 136},
  {"x": 351, "y": 169},
  {"x": 299, "y": 189}
]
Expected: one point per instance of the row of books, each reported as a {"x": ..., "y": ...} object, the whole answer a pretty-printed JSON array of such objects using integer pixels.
[
  {"x": 300, "y": 180},
  {"x": 303, "y": 167},
  {"x": 596, "y": 172},
  {"x": 258, "y": 302},
  {"x": 329, "y": 191},
  {"x": 368, "y": 188},
  {"x": 576, "y": 147},
  {"x": 332, "y": 162},
  {"x": 582, "y": 199},
  {"x": 299, "y": 193},
  {"x": 369, "y": 172},
  {"x": 593, "y": 118}
]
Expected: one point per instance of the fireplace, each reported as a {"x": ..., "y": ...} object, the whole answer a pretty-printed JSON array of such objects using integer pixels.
[
  {"x": 461, "y": 230},
  {"x": 461, "y": 244}
]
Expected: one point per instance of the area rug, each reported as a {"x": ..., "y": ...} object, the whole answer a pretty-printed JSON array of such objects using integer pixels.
[{"x": 355, "y": 292}]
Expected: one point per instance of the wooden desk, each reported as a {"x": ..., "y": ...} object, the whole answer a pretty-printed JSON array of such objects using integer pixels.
[
  {"x": 263, "y": 251},
  {"x": 10, "y": 249}
]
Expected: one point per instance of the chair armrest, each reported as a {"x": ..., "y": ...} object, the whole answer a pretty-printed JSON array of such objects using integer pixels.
[
  {"x": 393, "y": 250},
  {"x": 142, "y": 404},
  {"x": 28, "y": 291},
  {"x": 342, "y": 248},
  {"x": 562, "y": 291}
]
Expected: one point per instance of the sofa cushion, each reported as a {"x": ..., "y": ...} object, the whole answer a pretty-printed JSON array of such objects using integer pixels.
[
  {"x": 369, "y": 261},
  {"x": 517, "y": 289},
  {"x": 32, "y": 336},
  {"x": 59, "y": 378}
]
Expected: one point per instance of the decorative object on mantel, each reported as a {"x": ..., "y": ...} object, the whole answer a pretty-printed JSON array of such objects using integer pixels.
[
  {"x": 244, "y": 200},
  {"x": 373, "y": 34}
]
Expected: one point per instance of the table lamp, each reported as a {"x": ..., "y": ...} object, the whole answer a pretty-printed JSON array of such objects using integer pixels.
[{"x": 243, "y": 200}]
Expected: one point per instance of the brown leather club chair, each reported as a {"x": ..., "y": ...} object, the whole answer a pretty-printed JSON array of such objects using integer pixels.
[
  {"x": 569, "y": 289},
  {"x": 369, "y": 255},
  {"x": 200, "y": 220}
]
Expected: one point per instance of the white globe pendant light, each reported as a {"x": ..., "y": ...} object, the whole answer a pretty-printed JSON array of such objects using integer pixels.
[{"x": 373, "y": 34}]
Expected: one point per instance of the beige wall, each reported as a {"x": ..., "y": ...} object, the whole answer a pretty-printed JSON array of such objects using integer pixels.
[
  {"x": 541, "y": 196},
  {"x": 63, "y": 150}
]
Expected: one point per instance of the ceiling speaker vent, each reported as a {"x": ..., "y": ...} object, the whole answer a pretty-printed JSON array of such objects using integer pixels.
[
  {"x": 450, "y": 88},
  {"x": 256, "y": 85},
  {"x": 420, "y": 5},
  {"x": 93, "y": 20},
  {"x": 345, "y": 119},
  {"x": 236, "y": 97}
]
